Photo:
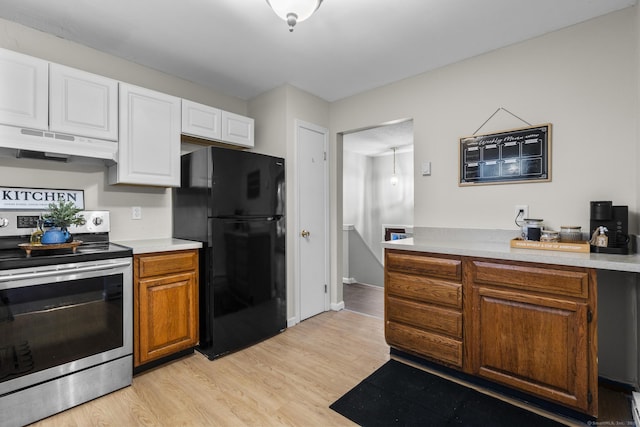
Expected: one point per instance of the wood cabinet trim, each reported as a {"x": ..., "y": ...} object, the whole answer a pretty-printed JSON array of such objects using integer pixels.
[
  {"x": 167, "y": 262},
  {"x": 426, "y": 344},
  {"x": 425, "y": 289},
  {"x": 447, "y": 267},
  {"x": 529, "y": 277},
  {"x": 425, "y": 316}
]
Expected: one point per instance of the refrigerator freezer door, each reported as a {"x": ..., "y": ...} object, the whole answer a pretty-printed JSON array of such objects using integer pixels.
[{"x": 245, "y": 184}]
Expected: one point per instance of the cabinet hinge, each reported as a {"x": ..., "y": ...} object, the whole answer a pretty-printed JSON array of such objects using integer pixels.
[
  {"x": 589, "y": 397},
  {"x": 589, "y": 316}
]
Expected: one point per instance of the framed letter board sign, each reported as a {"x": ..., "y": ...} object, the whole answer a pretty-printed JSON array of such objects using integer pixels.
[{"x": 518, "y": 155}]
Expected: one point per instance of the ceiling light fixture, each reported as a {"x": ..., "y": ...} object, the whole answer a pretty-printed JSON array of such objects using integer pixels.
[
  {"x": 294, "y": 11},
  {"x": 394, "y": 177}
]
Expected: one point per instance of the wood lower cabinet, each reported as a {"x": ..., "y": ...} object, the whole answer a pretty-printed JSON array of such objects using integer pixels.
[
  {"x": 165, "y": 304},
  {"x": 531, "y": 327},
  {"x": 423, "y": 305}
]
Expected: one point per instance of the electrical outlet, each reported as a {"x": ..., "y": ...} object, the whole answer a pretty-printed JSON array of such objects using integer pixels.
[
  {"x": 521, "y": 212},
  {"x": 136, "y": 212}
]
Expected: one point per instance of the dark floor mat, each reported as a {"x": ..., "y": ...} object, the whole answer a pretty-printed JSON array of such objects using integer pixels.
[{"x": 401, "y": 395}]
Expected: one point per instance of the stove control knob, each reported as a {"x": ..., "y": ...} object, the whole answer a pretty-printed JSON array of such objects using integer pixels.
[
  {"x": 4, "y": 222},
  {"x": 97, "y": 220}
]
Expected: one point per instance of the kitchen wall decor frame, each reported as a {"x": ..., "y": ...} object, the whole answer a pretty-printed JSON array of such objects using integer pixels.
[
  {"x": 23, "y": 198},
  {"x": 506, "y": 157}
]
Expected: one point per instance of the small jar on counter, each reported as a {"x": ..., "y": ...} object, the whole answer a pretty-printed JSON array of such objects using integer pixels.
[
  {"x": 549, "y": 236},
  {"x": 570, "y": 233}
]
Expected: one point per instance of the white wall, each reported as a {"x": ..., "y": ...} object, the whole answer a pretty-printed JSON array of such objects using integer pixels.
[
  {"x": 355, "y": 175},
  {"x": 582, "y": 79},
  {"x": 369, "y": 199},
  {"x": 391, "y": 204}
]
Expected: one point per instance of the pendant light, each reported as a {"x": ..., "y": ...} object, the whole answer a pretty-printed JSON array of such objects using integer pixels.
[
  {"x": 394, "y": 177},
  {"x": 294, "y": 11}
]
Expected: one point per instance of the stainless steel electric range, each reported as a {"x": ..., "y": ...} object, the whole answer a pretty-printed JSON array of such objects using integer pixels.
[{"x": 66, "y": 328}]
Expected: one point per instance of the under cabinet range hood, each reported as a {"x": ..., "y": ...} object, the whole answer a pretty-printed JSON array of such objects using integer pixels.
[{"x": 55, "y": 146}]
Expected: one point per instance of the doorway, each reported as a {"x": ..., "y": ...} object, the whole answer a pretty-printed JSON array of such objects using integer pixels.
[{"x": 377, "y": 196}]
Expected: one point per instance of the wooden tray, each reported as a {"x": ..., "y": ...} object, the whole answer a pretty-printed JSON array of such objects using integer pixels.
[
  {"x": 28, "y": 247},
  {"x": 580, "y": 247}
]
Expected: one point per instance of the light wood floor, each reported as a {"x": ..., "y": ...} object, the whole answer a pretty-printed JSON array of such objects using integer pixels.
[{"x": 288, "y": 380}]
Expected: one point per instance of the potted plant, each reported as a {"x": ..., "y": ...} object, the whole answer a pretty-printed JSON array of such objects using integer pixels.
[{"x": 59, "y": 217}]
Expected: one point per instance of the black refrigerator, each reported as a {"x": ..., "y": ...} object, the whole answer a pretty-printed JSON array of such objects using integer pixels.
[{"x": 234, "y": 203}]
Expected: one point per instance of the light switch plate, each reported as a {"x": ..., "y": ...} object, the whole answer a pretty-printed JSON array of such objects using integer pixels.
[
  {"x": 426, "y": 168},
  {"x": 136, "y": 212}
]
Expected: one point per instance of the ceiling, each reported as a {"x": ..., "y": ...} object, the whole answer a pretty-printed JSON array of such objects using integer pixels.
[
  {"x": 380, "y": 141},
  {"x": 241, "y": 48}
]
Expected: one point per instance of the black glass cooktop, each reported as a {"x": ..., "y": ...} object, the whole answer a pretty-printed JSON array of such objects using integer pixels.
[{"x": 15, "y": 257}]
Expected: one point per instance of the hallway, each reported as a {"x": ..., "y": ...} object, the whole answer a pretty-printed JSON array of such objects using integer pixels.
[{"x": 364, "y": 299}]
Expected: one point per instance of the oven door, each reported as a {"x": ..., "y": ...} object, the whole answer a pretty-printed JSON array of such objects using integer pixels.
[{"x": 56, "y": 320}]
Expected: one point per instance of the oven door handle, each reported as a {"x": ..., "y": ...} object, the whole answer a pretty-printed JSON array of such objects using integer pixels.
[{"x": 63, "y": 271}]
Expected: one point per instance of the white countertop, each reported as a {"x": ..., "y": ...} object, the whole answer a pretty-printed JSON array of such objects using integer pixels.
[
  {"x": 478, "y": 243},
  {"x": 159, "y": 245}
]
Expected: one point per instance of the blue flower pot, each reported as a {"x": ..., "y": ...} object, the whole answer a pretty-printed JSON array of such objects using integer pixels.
[{"x": 54, "y": 236}]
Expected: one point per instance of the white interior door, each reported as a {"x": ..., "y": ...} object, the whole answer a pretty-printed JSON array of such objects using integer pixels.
[{"x": 312, "y": 219}]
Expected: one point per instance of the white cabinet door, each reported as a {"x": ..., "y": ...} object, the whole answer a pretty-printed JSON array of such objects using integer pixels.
[
  {"x": 149, "y": 143},
  {"x": 23, "y": 90},
  {"x": 237, "y": 129},
  {"x": 82, "y": 103},
  {"x": 201, "y": 120}
]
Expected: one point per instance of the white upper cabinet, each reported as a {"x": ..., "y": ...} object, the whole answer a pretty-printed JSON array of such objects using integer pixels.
[
  {"x": 82, "y": 103},
  {"x": 214, "y": 124},
  {"x": 149, "y": 138},
  {"x": 23, "y": 90},
  {"x": 201, "y": 120},
  {"x": 237, "y": 129}
]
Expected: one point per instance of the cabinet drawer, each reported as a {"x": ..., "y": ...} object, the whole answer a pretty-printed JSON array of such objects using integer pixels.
[
  {"x": 167, "y": 263},
  {"x": 431, "y": 345},
  {"x": 421, "y": 263},
  {"x": 424, "y": 289},
  {"x": 425, "y": 316},
  {"x": 572, "y": 282}
]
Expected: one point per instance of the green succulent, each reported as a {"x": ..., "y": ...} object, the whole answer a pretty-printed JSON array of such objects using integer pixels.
[{"x": 63, "y": 215}]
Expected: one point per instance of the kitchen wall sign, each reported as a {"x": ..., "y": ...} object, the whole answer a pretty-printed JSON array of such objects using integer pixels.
[
  {"x": 517, "y": 155},
  {"x": 19, "y": 198}
]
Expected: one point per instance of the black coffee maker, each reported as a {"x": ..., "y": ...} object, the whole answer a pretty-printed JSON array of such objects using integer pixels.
[{"x": 616, "y": 221}]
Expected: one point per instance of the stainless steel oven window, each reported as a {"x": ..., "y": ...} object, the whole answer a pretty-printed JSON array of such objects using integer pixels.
[{"x": 56, "y": 320}]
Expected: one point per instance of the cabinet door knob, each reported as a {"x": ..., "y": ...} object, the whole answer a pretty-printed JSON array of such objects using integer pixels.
[{"x": 305, "y": 233}]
